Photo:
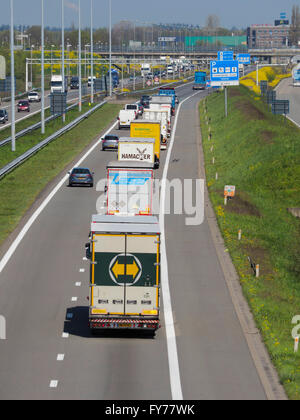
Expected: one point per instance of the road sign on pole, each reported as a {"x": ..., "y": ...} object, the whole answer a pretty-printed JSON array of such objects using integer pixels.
[
  {"x": 224, "y": 73},
  {"x": 225, "y": 55},
  {"x": 243, "y": 58}
]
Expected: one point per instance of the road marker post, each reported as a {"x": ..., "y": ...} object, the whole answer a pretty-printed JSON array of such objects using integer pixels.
[
  {"x": 296, "y": 344},
  {"x": 257, "y": 270},
  {"x": 217, "y": 176},
  {"x": 240, "y": 234}
]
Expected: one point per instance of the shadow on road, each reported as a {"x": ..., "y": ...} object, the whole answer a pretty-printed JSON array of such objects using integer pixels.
[{"x": 76, "y": 323}]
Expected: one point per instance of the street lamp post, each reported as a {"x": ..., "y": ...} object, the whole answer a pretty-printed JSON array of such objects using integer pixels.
[
  {"x": 43, "y": 74},
  {"x": 12, "y": 85},
  {"x": 110, "y": 78},
  {"x": 63, "y": 50},
  {"x": 79, "y": 54},
  {"x": 92, "y": 56}
]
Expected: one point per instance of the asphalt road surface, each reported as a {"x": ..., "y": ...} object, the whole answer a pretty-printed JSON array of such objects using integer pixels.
[
  {"x": 286, "y": 90},
  {"x": 47, "y": 271}
]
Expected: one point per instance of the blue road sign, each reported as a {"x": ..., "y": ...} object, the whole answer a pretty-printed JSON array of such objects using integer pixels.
[
  {"x": 224, "y": 73},
  {"x": 243, "y": 58},
  {"x": 225, "y": 55}
]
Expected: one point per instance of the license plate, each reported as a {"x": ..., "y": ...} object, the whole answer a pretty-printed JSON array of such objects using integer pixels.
[
  {"x": 124, "y": 325},
  {"x": 81, "y": 178}
]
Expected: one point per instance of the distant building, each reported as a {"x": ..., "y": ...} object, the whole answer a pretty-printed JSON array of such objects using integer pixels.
[
  {"x": 268, "y": 36},
  {"x": 221, "y": 41}
]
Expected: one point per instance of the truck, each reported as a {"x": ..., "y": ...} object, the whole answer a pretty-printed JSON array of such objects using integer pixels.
[
  {"x": 56, "y": 83},
  {"x": 136, "y": 149},
  {"x": 148, "y": 129},
  {"x": 162, "y": 117},
  {"x": 126, "y": 116},
  {"x": 167, "y": 91},
  {"x": 200, "y": 80},
  {"x": 162, "y": 103},
  {"x": 129, "y": 188},
  {"x": 145, "y": 69},
  {"x": 124, "y": 291},
  {"x": 296, "y": 76}
]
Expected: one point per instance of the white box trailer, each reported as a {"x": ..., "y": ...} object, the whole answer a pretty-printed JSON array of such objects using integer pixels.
[
  {"x": 124, "y": 273},
  {"x": 162, "y": 102},
  {"x": 162, "y": 117},
  {"x": 136, "y": 149},
  {"x": 130, "y": 188}
]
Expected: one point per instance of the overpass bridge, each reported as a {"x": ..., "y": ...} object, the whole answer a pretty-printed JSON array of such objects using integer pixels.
[{"x": 272, "y": 56}]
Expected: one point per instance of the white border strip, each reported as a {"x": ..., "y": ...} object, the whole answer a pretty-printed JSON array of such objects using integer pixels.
[{"x": 174, "y": 371}]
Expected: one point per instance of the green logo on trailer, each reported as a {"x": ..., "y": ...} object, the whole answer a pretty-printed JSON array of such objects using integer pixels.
[{"x": 125, "y": 269}]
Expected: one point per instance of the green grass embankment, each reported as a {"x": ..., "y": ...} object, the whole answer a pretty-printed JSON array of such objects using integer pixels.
[
  {"x": 260, "y": 154},
  {"x": 19, "y": 189}
]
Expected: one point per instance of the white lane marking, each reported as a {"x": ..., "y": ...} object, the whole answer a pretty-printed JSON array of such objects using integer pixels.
[
  {"x": 78, "y": 284},
  {"x": 65, "y": 335},
  {"x": 35, "y": 215},
  {"x": 174, "y": 371},
  {"x": 81, "y": 270},
  {"x": 53, "y": 384},
  {"x": 60, "y": 357},
  {"x": 74, "y": 299}
]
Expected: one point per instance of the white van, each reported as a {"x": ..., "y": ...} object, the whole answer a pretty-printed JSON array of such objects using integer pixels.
[{"x": 126, "y": 117}]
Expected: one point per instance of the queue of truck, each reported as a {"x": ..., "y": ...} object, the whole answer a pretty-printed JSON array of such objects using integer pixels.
[{"x": 124, "y": 246}]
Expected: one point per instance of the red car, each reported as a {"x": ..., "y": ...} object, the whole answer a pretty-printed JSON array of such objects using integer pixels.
[{"x": 23, "y": 106}]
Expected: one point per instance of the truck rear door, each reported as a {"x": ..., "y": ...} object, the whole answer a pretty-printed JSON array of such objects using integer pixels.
[{"x": 125, "y": 274}]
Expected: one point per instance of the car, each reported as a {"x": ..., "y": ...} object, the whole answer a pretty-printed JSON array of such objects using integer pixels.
[
  {"x": 145, "y": 99},
  {"x": 81, "y": 176},
  {"x": 141, "y": 108},
  {"x": 110, "y": 141},
  {"x": 3, "y": 116},
  {"x": 23, "y": 106},
  {"x": 34, "y": 97},
  {"x": 74, "y": 84}
]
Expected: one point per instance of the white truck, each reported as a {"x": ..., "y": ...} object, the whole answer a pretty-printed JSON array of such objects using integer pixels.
[
  {"x": 136, "y": 149},
  {"x": 162, "y": 117},
  {"x": 124, "y": 274},
  {"x": 132, "y": 107},
  {"x": 126, "y": 117},
  {"x": 56, "y": 83},
  {"x": 162, "y": 103},
  {"x": 129, "y": 188},
  {"x": 145, "y": 69}
]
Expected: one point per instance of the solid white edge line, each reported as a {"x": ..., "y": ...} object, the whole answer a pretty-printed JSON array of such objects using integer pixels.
[
  {"x": 35, "y": 215},
  {"x": 174, "y": 371}
]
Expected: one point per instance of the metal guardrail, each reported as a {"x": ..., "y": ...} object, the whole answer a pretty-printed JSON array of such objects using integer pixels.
[{"x": 16, "y": 162}]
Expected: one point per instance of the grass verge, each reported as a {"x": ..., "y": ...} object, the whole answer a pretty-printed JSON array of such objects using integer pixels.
[
  {"x": 259, "y": 153},
  {"x": 19, "y": 189}
]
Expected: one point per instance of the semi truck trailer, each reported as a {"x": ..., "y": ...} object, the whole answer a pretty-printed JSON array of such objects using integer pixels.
[{"x": 124, "y": 274}]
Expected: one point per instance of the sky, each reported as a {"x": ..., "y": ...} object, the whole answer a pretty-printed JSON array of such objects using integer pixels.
[{"x": 238, "y": 13}]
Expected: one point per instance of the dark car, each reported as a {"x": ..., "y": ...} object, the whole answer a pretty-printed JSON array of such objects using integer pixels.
[
  {"x": 145, "y": 100},
  {"x": 23, "y": 106},
  {"x": 74, "y": 84},
  {"x": 81, "y": 176},
  {"x": 3, "y": 116},
  {"x": 141, "y": 108},
  {"x": 110, "y": 141}
]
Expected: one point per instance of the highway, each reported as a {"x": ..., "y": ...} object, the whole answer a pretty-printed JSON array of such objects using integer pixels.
[
  {"x": 49, "y": 356},
  {"x": 35, "y": 107},
  {"x": 286, "y": 90}
]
